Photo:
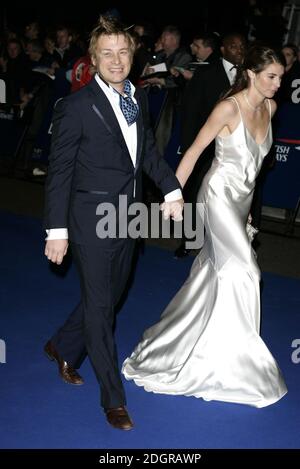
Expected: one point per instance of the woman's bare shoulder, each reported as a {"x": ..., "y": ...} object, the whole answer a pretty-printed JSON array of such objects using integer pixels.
[
  {"x": 228, "y": 106},
  {"x": 227, "y": 111}
]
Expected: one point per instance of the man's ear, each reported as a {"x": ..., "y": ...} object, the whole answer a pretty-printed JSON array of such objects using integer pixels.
[{"x": 93, "y": 60}]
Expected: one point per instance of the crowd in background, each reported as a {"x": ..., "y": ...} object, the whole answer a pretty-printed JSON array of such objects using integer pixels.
[{"x": 40, "y": 65}]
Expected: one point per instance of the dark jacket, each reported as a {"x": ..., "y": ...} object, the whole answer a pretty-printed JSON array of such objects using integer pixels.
[{"x": 90, "y": 163}]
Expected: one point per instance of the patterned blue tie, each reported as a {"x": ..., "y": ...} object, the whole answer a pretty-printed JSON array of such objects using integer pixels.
[{"x": 128, "y": 107}]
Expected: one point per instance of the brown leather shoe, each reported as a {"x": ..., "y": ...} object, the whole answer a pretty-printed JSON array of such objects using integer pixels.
[
  {"x": 66, "y": 371},
  {"x": 118, "y": 417}
]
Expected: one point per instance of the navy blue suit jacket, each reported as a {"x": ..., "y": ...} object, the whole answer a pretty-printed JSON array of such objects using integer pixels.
[{"x": 89, "y": 162}]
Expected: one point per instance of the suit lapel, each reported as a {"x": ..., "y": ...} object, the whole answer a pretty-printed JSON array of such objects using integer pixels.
[
  {"x": 140, "y": 132},
  {"x": 225, "y": 78},
  {"x": 103, "y": 109}
]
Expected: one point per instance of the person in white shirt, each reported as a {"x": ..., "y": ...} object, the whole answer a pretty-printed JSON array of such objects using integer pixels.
[{"x": 101, "y": 143}]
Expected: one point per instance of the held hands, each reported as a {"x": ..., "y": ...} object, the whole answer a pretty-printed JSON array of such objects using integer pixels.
[
  {"x": 56, "y": 249},
  {"x": 173, "y": 209}
]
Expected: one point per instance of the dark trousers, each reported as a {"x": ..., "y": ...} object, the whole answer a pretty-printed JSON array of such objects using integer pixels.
[{"x": 89, "y": 329}]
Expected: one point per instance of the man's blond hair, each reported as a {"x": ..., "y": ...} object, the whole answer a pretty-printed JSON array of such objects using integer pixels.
[{"x": 108, "y": 26}]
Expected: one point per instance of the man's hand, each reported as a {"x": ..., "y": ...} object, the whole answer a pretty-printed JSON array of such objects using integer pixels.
[
  {"x": 56, "y": 249},
  {"x": 155, "y": 81},
  {"x": 173, "y": 209},
  {"x": 174, "y": 71},
  {"x": 187, "y": 74}
]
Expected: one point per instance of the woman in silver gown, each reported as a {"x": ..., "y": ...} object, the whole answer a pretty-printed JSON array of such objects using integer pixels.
[{"x": 207, "y": 342}]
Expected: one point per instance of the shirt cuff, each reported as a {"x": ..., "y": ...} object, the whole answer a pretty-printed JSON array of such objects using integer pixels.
[
  {"x": 174, "y": 195},
  {"x": 57, "y": 233}
]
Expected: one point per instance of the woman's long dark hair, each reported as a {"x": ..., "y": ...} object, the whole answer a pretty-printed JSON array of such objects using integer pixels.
[{"x": 257, "y": 59}]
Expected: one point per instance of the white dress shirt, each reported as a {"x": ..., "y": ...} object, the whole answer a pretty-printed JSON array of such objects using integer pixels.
[
  {"x": 130, "y": 136},
  {"x": 230, "y": 70}
]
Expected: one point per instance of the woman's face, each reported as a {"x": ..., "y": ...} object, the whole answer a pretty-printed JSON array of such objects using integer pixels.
[
  {"x": 268, "y": 80},
  {"x": 289, "y": 55}
]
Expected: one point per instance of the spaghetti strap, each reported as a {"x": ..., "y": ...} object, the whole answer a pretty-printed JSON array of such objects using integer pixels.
[{"x": 236, "y": 102}]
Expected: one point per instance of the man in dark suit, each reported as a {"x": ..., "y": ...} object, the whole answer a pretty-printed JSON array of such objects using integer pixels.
[
  {"x": 101, "y": 143},
  {"x": 203, "y": 91}
]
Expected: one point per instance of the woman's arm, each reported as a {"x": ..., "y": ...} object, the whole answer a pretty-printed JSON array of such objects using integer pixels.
[{"x": 222, "y": 115}]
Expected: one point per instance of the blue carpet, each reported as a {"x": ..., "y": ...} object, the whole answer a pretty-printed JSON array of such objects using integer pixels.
[{"x": 38, "y": 410}]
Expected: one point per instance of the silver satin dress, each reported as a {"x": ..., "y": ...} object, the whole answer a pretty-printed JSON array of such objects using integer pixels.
[{"x": 207, "y": 342}]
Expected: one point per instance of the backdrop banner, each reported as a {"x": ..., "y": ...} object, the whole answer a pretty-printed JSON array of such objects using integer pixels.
[{"x": 282, "y": 183}]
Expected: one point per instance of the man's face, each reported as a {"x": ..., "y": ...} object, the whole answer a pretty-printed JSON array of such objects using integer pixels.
[
  {"x": 13, "y": 50},
  {"x": 113, "y": 59},
  {"x": 63, "y": 38},
  {"x": 32, "y": 54},
  {"x": 234, "y": 50},
  {"x": 168, "y": 41},
  {"x": 200, "y": 50}
]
